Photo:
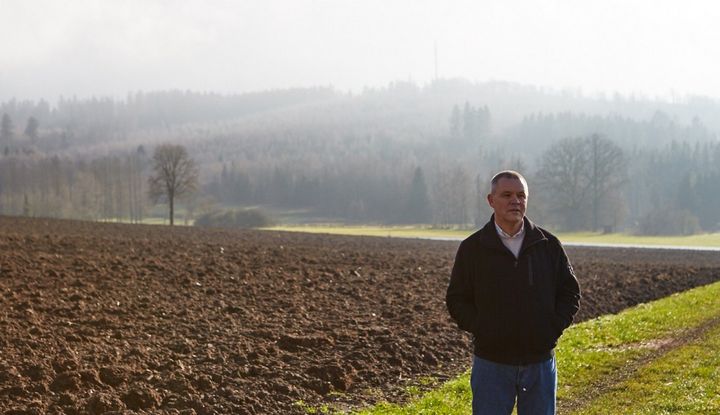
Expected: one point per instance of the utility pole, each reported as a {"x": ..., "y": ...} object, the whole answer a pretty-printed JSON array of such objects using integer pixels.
[
  {"x": 595, "y": 181},
  {"x": 436, "y": 62}
]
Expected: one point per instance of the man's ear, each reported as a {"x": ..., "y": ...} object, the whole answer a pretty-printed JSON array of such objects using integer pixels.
[{"x": 490, "y": 199}]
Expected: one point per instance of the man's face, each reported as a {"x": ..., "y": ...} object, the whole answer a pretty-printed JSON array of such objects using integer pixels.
[{"x": 509, "y": 201}]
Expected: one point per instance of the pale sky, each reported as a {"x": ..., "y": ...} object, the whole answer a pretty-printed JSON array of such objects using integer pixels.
[{"x": 50, "y": 48}]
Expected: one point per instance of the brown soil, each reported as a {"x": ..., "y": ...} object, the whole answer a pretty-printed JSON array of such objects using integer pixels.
[{"x": 103, "y": 318}]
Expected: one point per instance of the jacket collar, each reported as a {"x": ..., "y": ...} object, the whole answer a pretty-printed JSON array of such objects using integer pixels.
[{"x": 489, "y": 237}]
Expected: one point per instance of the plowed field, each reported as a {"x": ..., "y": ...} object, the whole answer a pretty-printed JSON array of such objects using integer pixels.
[{"x": 96, "y": 318}]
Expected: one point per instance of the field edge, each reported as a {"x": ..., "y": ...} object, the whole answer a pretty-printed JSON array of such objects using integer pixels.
[{"x": 591, "y": 353}]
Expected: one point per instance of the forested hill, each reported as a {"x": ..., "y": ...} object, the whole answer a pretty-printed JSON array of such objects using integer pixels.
[
  {"x": 404, "y": 103},
  {"x": 403, "y": 106},
  {"x": 373, "y": 155},
  {"x": 158, "y": 109}
]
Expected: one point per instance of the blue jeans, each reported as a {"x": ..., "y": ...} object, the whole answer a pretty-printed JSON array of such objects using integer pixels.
[{"x": 496, "y": 386}]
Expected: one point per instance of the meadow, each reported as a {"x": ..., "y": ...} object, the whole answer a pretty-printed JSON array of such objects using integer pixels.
[{"x": 711, "y": 240}]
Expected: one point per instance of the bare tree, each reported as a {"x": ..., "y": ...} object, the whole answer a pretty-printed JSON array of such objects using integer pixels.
[
  {"x": 451, "y": 193},
  {"x": 134, "y": 166},
  {"x": 175, "y": 175},
  {"x": 578, "y": 175},
  {"x": 608, "y": 172}
]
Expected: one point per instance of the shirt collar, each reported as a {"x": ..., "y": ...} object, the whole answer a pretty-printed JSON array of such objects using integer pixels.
[{"x": 506, "y": 235}]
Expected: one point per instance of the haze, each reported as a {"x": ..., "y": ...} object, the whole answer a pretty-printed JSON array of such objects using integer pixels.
[{"x": 110, "y": 48}]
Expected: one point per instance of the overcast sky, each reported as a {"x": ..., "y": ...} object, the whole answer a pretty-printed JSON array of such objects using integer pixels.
[{"x": 50, "y": 48}]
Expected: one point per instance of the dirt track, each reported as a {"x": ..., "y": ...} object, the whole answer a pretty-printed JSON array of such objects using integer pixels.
[{"x": 103, "y": 317}]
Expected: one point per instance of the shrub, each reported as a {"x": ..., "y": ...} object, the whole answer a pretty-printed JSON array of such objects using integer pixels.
[{"x": 234, "y": 218}]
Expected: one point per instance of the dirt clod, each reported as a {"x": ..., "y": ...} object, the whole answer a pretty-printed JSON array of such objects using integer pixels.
[
  {"x": 66, "y": 381},
  {"x": 141, "y": 398},
  {"x": 103, "y": 403},
  {"x": 112, "y": 376}
]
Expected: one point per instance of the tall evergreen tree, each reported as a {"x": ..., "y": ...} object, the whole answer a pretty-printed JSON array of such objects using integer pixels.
[
  {"x": 468, "y": 122},
  {"x": 456, "y": 123},
  {"x": 31, "y": 129},
  {"x": 6, "y": 128},
  {"x": 418, "y": 209}
]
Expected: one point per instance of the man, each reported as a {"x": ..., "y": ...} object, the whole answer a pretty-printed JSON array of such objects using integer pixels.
[{"x": 513, "y": 288}]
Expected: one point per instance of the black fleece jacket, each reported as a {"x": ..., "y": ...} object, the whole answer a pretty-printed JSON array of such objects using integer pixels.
[{"x": 515, "y": 308}]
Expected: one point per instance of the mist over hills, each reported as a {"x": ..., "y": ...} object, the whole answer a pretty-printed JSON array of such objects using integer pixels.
[
  {"x": 356, "y": 156},
  {"x": 403, "y": 106}
]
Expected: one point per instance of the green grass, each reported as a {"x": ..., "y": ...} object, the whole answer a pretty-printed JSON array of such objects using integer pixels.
[
  {"x": 706, "y": 239},
  {"x": 592, "y": 351},
  {"x": 418, "y": 231},
  {"x": 685, "y": 381},
  {"x": 372, "y": 230},
  {"x": 451, "y": 398},
  {"x": 145, "y": 221}
]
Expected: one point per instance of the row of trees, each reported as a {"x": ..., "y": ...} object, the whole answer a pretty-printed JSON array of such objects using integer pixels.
[
  {"x": 403, "y": 111},
  {"x": 104, "y": 188},
  {"x": 398, "y": 154},
  {"x": 157, "y": 109},
  {"x": 8, "y": 133},
  {"x": 580, "y": 183},
  {"x": 473, "y": 124}
]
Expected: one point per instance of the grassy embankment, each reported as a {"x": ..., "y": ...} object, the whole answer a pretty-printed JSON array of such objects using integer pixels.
[
  {"x": 656, "y": 358},
  {"x": 575, "y": 237}
]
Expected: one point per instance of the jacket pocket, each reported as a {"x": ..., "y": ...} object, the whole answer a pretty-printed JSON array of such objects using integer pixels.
[
  {"x": 486, "y": 334},
  {"x": 557, "y": 326},
  {"x": 546, "y": 332}
]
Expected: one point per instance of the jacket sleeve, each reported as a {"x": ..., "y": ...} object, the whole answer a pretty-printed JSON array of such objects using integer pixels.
[
  {"x": 567, "y": 297},
  {"x": 459, "y": 298}
]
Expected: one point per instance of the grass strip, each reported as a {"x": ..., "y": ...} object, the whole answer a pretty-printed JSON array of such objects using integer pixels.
[
  {"x": 419, "y": 231},
  {"x": 683, "y": 381},
  {"x": 705, "y": 239},
  {"x": 374, "y": 230},
  {"x": 591, "y": 352}
]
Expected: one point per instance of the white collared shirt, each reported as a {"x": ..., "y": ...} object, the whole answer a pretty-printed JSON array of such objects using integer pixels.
[{"x": 512, "y": 242}]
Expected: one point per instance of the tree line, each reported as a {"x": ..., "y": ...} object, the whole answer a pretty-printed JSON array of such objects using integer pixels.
[
  {"x": 581, "y": 183},
  {"x": 98, "y": 189},
  {"x": 402, "y": 154}
]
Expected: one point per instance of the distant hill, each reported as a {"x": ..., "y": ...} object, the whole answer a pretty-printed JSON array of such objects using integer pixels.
[{"x": 359, "y": 156}]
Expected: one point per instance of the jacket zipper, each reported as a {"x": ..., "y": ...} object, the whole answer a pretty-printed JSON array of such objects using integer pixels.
[{"x": 530, "y": 271}]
